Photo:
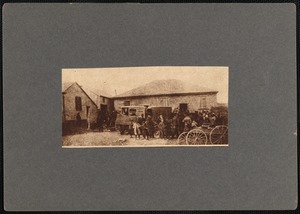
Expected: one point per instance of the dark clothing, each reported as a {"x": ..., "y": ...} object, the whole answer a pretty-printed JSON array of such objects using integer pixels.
[
  {"x": 162, "y": 129},
  {"x": 140, "y": 120},
  {"x": 150, "y": 127},
  {"x": 130, "y": 130},
  {"x": 200, "y": 121},
  {"x": 180, "y": 123},
  {"x": 197, "y": 118},
  {"x": 174, "y": 127},
  {"x": 206, "y": 120},
  {"x": 113, "y": 119},
  {"x": 145, "y": 132},
  {"x": 187, "y": 123},
  {"x": 100, "y": 121},
  {"x": 168, "y": 128},
  {"x": 213, "y": 121},
  {"x": 78, "y": 120}
]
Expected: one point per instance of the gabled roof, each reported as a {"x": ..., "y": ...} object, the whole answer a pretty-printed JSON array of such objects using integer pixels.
[
  {"x": 89, "y": 91},
  {"x": 166, "y": 87},
  {"x": 67, "y": 85},
  {"x": 94, "y": 97},
  {"x": 98, "y": 92}
]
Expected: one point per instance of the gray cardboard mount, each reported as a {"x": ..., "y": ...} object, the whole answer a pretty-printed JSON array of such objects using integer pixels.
[{"x": 257, "y": 171}]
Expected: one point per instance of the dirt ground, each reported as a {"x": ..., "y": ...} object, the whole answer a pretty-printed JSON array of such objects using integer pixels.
[{"x": 112, "y": 139}]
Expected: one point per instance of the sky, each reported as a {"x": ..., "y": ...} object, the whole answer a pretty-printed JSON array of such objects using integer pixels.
[{"x": 118, "y": 80}]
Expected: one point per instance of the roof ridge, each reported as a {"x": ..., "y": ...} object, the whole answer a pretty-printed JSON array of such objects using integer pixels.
[{"x": 165, "y": 86}]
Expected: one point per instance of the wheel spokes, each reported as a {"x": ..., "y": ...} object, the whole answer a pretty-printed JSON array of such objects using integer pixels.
[
  {"x": 196, "y": 137},
  {"x": 219, "y": 135},
  {"x": 182, "y": 138}
]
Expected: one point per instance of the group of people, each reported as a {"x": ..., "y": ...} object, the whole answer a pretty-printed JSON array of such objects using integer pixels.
[
  {"x": 142, "y": 126},
  {"x": 167, "y": 128},
  {"x": 176, "y": 124},
  {"x": 106, "y": 119}
]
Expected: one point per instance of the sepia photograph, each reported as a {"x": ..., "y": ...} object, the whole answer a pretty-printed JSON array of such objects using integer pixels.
[
  {"x": 150, "y": 107},
  {"x": 145, "y": 106}
]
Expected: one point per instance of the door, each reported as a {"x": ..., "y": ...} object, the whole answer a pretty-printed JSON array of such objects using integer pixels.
[
  {"x": 104, "y": 115},
  {"x": 183, "y": 107},
  {"x": 103, "y": 108}
]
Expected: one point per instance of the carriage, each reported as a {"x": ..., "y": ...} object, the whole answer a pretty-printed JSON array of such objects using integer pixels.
[
  {"x": 129, "y": 114},
  {"x": 204, "y": 135}
]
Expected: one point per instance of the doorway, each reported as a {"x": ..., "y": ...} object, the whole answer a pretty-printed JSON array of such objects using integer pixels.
[
  {"x": 183, "y": 107},
  {"x": 103, "y": 108}
]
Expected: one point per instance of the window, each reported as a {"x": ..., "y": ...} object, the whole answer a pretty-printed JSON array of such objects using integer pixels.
[
  {"x": 125, "y": 111},
  {"x": 183, "y": 107},
  {"x": 126, "y": 103},
  {"x": 78, "y": 105},
  {"x": 132, "y": 112},
  {"x": 203, "y": 103}
]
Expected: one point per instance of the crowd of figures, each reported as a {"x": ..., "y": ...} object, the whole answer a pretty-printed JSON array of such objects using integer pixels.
[
  {"x": 177, "y": 123},
  {"x": 106, "y": 119},
  {"x": 165, "y": 128}
]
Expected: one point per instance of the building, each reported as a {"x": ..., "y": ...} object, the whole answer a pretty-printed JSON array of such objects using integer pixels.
[
  {"x": 169, "y": 93},
  {"x": 75, "y": 100},
  {"x": 101, "y": 98},
  {"x": 79, "y": 99}
]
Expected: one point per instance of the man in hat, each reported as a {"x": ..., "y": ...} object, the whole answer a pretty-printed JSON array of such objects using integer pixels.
[{"x": 150, "y": 126}]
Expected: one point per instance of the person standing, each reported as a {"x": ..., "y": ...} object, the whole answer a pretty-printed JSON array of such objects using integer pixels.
[
  {"x": 113, "y": 118},
  {"x": 187, "y": 123},
  {"x": 78, "y": 119},
  {"x": 88, "y": 121},
  {"x": 206, "y": 118},
  {"x": 161, "y": 118},
  {"x": 137, "y": 128},
  {"x": 161, "y": 127},
  {"x": 142, "y": 118},
  {"x": 130, "y": 129},
  {"x": 150, "y": 126},
  {"x": 168, "y": 131},
  {"x": 200, "y": 119},
  {"x": 180, "y": 123},
  {"x": 100, "y": 121},
  {"x": 213, "y": 120},
  {"x": 174, "y": 126},
  {"x": 144, "y": 131}
]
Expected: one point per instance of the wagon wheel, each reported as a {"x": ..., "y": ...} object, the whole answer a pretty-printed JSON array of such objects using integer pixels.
[
  {"x": 182, "y": 138},
  {"x": 219, "y": 135},
  {"x": 196, "y": 137}
]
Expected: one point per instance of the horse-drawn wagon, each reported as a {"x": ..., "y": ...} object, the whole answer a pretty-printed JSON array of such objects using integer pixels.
[
  {"x": 205, "y": 135},
  {"x": 129, "y": 114}
]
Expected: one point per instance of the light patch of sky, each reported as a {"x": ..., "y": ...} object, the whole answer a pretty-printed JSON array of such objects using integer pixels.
[{"x": 122, "y": 79}]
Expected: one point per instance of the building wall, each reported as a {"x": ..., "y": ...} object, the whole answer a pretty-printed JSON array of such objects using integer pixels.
[
  {"x": 70, "y": 107},
  {"x": 194, "y": 101},
  {"x": 105, "y": 101}
]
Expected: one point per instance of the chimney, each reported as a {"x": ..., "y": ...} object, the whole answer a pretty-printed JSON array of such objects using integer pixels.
[{"x": 115, "y": 92}]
